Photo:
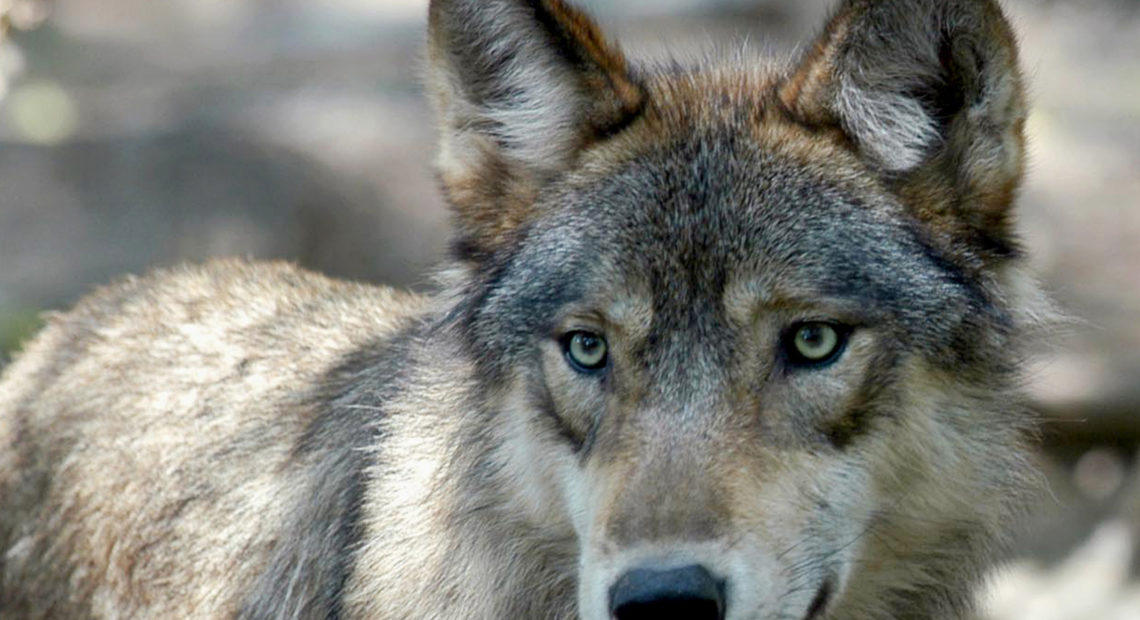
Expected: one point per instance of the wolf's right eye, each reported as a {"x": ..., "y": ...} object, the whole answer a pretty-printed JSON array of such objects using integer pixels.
[
  {"x": 815, "y": 343},
  {"x": 585, "y": 351}
]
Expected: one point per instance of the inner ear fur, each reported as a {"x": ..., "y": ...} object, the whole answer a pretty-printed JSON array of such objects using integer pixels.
[
  {"x": 931, "y": 94},
  {"x": 520, "y": 87}
]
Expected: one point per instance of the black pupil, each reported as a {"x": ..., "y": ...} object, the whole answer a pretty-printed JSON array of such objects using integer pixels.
[
  {"x": 812, "y": 335},
  {"x": 588, "y": 343}
]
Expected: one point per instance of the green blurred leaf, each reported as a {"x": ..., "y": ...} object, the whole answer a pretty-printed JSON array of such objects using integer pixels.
[{"x": 15, "y": 328}]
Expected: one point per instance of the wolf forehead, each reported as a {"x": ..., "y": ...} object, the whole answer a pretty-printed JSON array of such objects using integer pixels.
[{"x": 727, "y": 208}]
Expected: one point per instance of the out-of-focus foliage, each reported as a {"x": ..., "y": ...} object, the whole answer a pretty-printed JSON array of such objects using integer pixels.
[
  {"x": 15, "y": 329},
  {"x": 21, "y": 14},
  {"x": 16, "y": 15}
]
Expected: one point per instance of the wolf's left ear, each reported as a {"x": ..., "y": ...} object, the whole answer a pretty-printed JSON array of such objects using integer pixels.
[
  {"x": 521, "y": 87},
  {"x": 930, "y": 93}
]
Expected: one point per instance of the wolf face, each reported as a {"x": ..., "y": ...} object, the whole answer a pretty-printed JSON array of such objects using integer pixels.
[{"x": 753, "y": 334}]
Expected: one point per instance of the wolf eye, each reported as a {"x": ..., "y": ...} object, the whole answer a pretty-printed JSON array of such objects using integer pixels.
[
  {"x": 585, "y": 351},
  {"x": 815, "y": 343}
]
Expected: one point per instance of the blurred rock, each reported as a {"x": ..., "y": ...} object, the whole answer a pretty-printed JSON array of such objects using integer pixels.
[{"x": 1091, "y": 583}]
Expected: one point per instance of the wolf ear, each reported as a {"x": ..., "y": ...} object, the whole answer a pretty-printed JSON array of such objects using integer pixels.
[
  {"x": 520, "y": 86},
  {"x": 930, "y": 93}
]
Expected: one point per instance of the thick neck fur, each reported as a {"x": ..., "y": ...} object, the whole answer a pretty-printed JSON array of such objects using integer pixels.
[{"x": 454, "y": 490}]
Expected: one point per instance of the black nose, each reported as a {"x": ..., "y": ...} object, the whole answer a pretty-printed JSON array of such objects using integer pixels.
[{"x": 689, "y": 593}]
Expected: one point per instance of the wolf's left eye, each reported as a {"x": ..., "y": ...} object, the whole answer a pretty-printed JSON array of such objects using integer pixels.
[
  {"x": 585, "y": 351},
  {"x": 815, "y": 343}
]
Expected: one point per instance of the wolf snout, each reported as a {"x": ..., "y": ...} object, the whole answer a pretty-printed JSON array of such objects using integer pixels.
[{"x": 689, "y": 592}]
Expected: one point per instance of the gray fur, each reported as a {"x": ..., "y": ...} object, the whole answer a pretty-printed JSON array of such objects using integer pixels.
[
  {"x": 257, "y": 441},
  {"x": 907, "y": 71},
  {"x": 311, "y": 561}
]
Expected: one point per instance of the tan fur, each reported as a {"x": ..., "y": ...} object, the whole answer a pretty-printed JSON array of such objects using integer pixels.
[
  {"x": 256, "y": 441},
  {"x": 124, "y": 400},
  {"x": 491, "y": 183}
]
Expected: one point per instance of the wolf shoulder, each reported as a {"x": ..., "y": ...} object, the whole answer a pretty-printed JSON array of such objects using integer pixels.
[{"x": 183, "y": 403}]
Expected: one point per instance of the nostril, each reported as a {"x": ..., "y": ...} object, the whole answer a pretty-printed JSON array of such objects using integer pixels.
[
  {"x": 690, "y": 592},
  {"x": 669, "y": 609}
]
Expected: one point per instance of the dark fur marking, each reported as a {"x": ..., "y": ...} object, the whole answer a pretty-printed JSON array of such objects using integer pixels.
[
  {"x": 568, "y": 48},
  {"x": 819, "y": 604},
  {"x": 464, "y": 248},
  {"x": 307, "y": 571},
  {"x": 561, "y": 42},
  {"x": 842, "y": 432},
  {"x": 945, "y": 98},
  {"x": 591, "y": 440},
  {"x": 573, "y": 436},
  {"x": 961, "y": 348},
  {"x": 514, "y": 304},
  {"x": 618, "y": 125},
  {"x": 856, "y": 421}
]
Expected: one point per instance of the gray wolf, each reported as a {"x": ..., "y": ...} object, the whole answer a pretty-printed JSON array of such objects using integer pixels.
[{"x": 715, "y": 339}]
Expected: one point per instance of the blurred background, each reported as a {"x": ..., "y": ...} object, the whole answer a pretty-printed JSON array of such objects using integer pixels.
[{"x": 135, "y": 134}]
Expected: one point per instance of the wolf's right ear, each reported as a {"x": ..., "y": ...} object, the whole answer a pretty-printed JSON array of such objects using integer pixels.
[{"x": 521, "y": 87}]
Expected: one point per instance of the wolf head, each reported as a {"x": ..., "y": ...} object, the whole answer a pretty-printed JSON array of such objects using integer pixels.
[{"x": 750, "y": 336}]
